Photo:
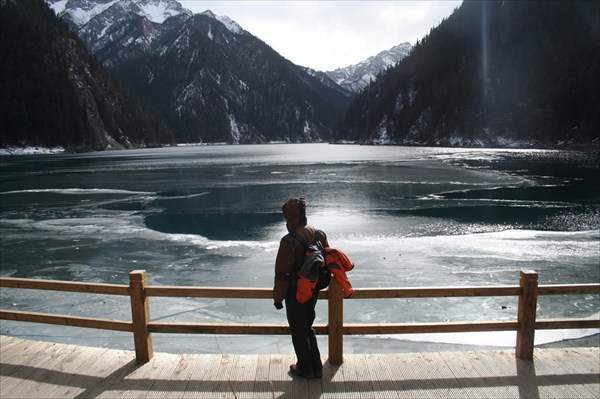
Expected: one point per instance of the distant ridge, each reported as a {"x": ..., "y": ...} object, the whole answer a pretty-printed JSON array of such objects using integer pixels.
[{"x": 358, "y": 76}]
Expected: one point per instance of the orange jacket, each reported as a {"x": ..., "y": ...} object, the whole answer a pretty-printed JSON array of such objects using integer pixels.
[{"x": 338, "y": 264}]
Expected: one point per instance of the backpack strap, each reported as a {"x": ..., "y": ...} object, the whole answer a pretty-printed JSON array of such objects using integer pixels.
[{"x": 303, "y": 241}]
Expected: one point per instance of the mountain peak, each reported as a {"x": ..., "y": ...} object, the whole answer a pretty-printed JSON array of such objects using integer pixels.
[
  {"x": 80, "y": 12},
  {"x": 159, "y": 10},
  {"x": 229, "y": 23},
  {"x": 358, "y": 76}
]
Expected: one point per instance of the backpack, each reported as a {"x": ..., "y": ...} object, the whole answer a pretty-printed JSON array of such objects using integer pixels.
[{"x": 318, "y": 266}]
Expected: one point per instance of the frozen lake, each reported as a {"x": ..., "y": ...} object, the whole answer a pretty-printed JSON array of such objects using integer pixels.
[{"x": 211, "y": 216}]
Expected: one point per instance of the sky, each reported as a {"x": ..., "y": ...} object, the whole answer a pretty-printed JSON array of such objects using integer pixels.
[{"x": 329, "y": 34}]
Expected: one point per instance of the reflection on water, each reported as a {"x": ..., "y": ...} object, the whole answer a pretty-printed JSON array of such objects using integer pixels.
[{"x": 210, "y": 216}]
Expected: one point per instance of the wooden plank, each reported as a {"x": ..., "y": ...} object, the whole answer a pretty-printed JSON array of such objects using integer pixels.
[
  {"x": 213, "y": 328},
  {"x": 489, "y": 375},
  {"x": 336, "y": 323},
  {"x": 242, "y": 375},
  {"x": 526, "y": 314},
  {"x": 591, "y": 355},
  {"x": 30, "y": 378},
  {"x": 66, "y": 286},
  {"x": 164, "y": 383},
  {"x": 65, "y": 320},
  {"x": 564, "y": 373},
  {"x": 209, "y": 292},
  {"x": 67, "y": 381},
  {"x": 435, "y": 292},
  {"x": 173, "y": 381},
  {"x": 466, "y": 375},
  {"x": 417, "y": 328},
  {"x": 418, "y": 374},
  {"x": 299, "y": 385},
  {"x": 278, "y": 375},
  {"x": 378, "y": 374},
  {"x": 516, "y": 375},
  {"x": 333, "y": 383},
  {"x": 315, "y": 386},
  {"x": 138, "y": 382},
  {"x": 140, "y": 316},
  {"x": 21, "y": 353},
  {"x": 67, "y": 371},
  {"x": 444, "y": 379},
  {"x": 6, "y": 341},
  {"x": 263, "y": 387},
  {"x": 223, "y": 387},
  {"x": 357, "y": 378},
  {"x": 110, "y": 371},
  {"x": 203, "y": 370},
  {"x": 529, "y": 376},
  {"x": 558, "y": 324},
  {"x": 569, "y": 289}
]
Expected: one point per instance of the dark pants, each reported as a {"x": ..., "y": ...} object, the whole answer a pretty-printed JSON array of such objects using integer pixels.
[{"x": 300, "y": 318}]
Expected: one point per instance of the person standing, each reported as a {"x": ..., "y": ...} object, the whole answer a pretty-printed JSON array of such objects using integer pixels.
[{"x": 300, "y": 316}]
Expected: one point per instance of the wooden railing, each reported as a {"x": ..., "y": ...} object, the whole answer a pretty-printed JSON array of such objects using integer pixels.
[{"x": 142, "y": 326}]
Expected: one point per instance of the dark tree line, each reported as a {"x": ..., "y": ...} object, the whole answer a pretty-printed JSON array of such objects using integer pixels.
[
  {"x": 525, "y": 70},
  {"x": 53, "y": 93}
]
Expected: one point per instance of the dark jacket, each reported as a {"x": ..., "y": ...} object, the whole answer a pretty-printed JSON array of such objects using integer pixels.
[{"x": 291, "y": 252}]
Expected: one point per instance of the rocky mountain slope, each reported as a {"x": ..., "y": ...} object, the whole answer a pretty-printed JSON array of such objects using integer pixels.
[{"x": 210, "y": 79}]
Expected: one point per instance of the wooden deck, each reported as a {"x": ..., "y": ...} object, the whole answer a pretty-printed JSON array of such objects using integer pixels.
[{"x": 31, "y": 369}]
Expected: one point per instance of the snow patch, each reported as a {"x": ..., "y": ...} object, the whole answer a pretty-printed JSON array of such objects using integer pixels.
[
  {"x": 229, "y": 23},
  {"x": 235, "y": 129},
  {"x": 381, "y": 134},
  {"x": 307, "y": 128},
  {"x": 31, "y": 150},
  {"x": 157, "y": 11},
  {"x": 81, "y": 16},
  {"x": 59, "y": 7}
]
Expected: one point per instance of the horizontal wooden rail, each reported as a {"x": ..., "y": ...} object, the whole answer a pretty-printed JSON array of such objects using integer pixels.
[
  {"x": 418, "y": 328},
  {"x": 66, "y": 286},
  {"x": 559, "y": 324},
  {"x": 569, "y": 289},
  {"x": 265, "y": 293},
  {"x": 65, "y": 320},
  {"x": 435, "y": 292},
  {"x": 243, "y": 329},
  {"x": 142, "y": 327},
  {"x": 209, "y": 292}
]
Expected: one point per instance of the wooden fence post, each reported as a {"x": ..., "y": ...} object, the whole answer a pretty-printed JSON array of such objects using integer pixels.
[
  {"x": 140, "y": 316},
  {"x": 526, "y": 314},
  {"x": 336, "y": 323}
]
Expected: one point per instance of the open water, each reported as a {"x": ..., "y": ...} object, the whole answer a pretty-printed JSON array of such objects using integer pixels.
[{"x": 211, "y": 216}]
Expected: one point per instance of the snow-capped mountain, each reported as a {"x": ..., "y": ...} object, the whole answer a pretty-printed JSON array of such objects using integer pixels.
[
  {"x": 80, "y": 12},
  {"x": 358, "y": 76},
  {"x": 115, "y": 30},
  {"x": 212, "y": 80}
]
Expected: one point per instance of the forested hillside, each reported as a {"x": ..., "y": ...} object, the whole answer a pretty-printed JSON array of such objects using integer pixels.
[
  {"x": 493, "y": 73},
  {"x": 53, "y": 93}
]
